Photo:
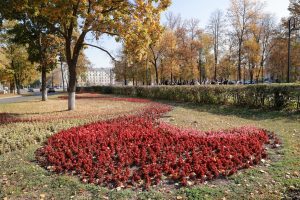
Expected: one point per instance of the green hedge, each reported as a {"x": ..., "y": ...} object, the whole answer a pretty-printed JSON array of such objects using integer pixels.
[{"x": 275, "y": 96}]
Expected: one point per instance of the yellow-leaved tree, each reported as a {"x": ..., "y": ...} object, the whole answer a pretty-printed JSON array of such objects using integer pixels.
[{"x": 133, "y": 22}]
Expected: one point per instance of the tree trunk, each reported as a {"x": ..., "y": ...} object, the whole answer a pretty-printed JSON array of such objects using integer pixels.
[
  {"x": 262, "y": 71},
  {"x": 72, "y": 64},
  {"x": 13, "y": 82},
  {"x": 71, "y": 101},
  {"x": 72, "y": 86},
  {"x": 199, "y": 65},
  {"x": 12, "y": 87},
  {"x": 215, "y": 72},
  {"x": 17, "y": 84},
  {"x": 125, "y": 75},
  {"x": 216, "y": 62},
  {"x": 156, "y": 73},
  {"x": 125, "y": 80},
  {"x": 62, "y": 76},
  {"x": 251, "y": 76},
  {"x": 18, "y": 90},
  {"x": 244, "y": 79},
  {"x": 44, "y": 84},
  {"x": 52, "y": 80},
  {"x": 239, "y": 76}
]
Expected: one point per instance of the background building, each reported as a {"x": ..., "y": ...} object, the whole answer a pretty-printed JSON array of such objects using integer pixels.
[{"x": 97, "y": 76}]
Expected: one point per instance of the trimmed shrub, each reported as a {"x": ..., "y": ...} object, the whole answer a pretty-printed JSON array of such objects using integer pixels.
[{"x": 275, "y": 96}]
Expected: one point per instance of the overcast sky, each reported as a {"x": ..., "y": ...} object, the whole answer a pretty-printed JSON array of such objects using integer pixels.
[{"x": 200, "y": 9}]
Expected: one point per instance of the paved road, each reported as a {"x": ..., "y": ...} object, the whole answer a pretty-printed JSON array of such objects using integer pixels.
[{"x": 34, "y": 96}]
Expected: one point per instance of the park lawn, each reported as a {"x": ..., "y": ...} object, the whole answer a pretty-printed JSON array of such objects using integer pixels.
[
  {"x": 47, "y": 118},
  {"x": 22, "y": 178},
  {"x": 278, "y": 177}
]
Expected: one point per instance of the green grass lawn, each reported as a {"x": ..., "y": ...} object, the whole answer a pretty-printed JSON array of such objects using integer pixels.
[{"x": 22, "y": 178}]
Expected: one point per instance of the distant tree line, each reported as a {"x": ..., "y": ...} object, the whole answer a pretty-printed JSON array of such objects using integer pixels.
[{"x": 243, "y": 43}]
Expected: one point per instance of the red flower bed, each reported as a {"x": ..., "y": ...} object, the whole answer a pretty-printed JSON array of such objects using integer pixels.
[{"x": 138, "y": 150}]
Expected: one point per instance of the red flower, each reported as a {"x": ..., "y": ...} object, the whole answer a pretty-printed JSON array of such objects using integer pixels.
[{"x": 129, "y": 149}]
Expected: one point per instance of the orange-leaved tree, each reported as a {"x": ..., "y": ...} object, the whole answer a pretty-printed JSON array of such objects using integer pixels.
[{"x": 132, "y": 21}]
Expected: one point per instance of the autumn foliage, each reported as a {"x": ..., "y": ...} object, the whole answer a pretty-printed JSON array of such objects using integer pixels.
[{"x": 140, "y": 151}]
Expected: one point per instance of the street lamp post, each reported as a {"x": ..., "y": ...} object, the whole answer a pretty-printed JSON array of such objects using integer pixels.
[{"x": 292, "y": 27}]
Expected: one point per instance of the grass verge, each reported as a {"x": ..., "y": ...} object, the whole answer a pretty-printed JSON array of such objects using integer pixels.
[{"x": 277, "y": 177}]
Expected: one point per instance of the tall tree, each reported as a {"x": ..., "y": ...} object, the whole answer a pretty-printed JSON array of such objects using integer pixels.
[
  {"x": 30, "y": 30},
  {"x": 240, "y": 16},
  {"x": 170, "y": 59},
  {"x": 267, "y": 33},
  {"x": 294, "y": 8},
  {"x": 173, "y": 21},
  {"x": 130, "y": 20},
  {"x": 15, "y": 62},
  {"x": 216, "y": 29},
  {"x": 251, "y": 50},
  {"x": 276, "y": 63},
  {"x": 17, "y": 69},
  {"x": 156, "y": 51}
]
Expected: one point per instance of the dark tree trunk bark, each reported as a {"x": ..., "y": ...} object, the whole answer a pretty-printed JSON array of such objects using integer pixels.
[
  {"x": 72, "y": 58},
  {"x": 44, "y": 84},
  {"x": 12, "y": 87},
  {"x": 215, "y": 72},
  {"x": 156, "y": 73},
  {"x": 251, "y": 76},
  {"x": 52, "y": 80},
  {"x": 72, "y": 86},
  {"x": 216, "y": 63},
  {"x": 244, "y": 78},
  {"x": 13, "y": 82},
  {"x": 125, "y": 74},
  {"x": 200, "y": 66},
  {"x": 17, "y": 84},
  {"x": 262, "y": 71},
  {"x": 239, "y": 76},
  {"x": 62, "y": 76}
]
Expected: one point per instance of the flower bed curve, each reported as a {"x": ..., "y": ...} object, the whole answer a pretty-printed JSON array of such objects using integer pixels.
[{"x": 140, "y": 151}]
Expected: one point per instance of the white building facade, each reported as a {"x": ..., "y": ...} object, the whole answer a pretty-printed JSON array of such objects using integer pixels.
[{"x": 97, "y": 77}]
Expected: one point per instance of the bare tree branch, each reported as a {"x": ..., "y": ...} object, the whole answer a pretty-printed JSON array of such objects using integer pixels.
[{"x": 102, "y": 49}]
